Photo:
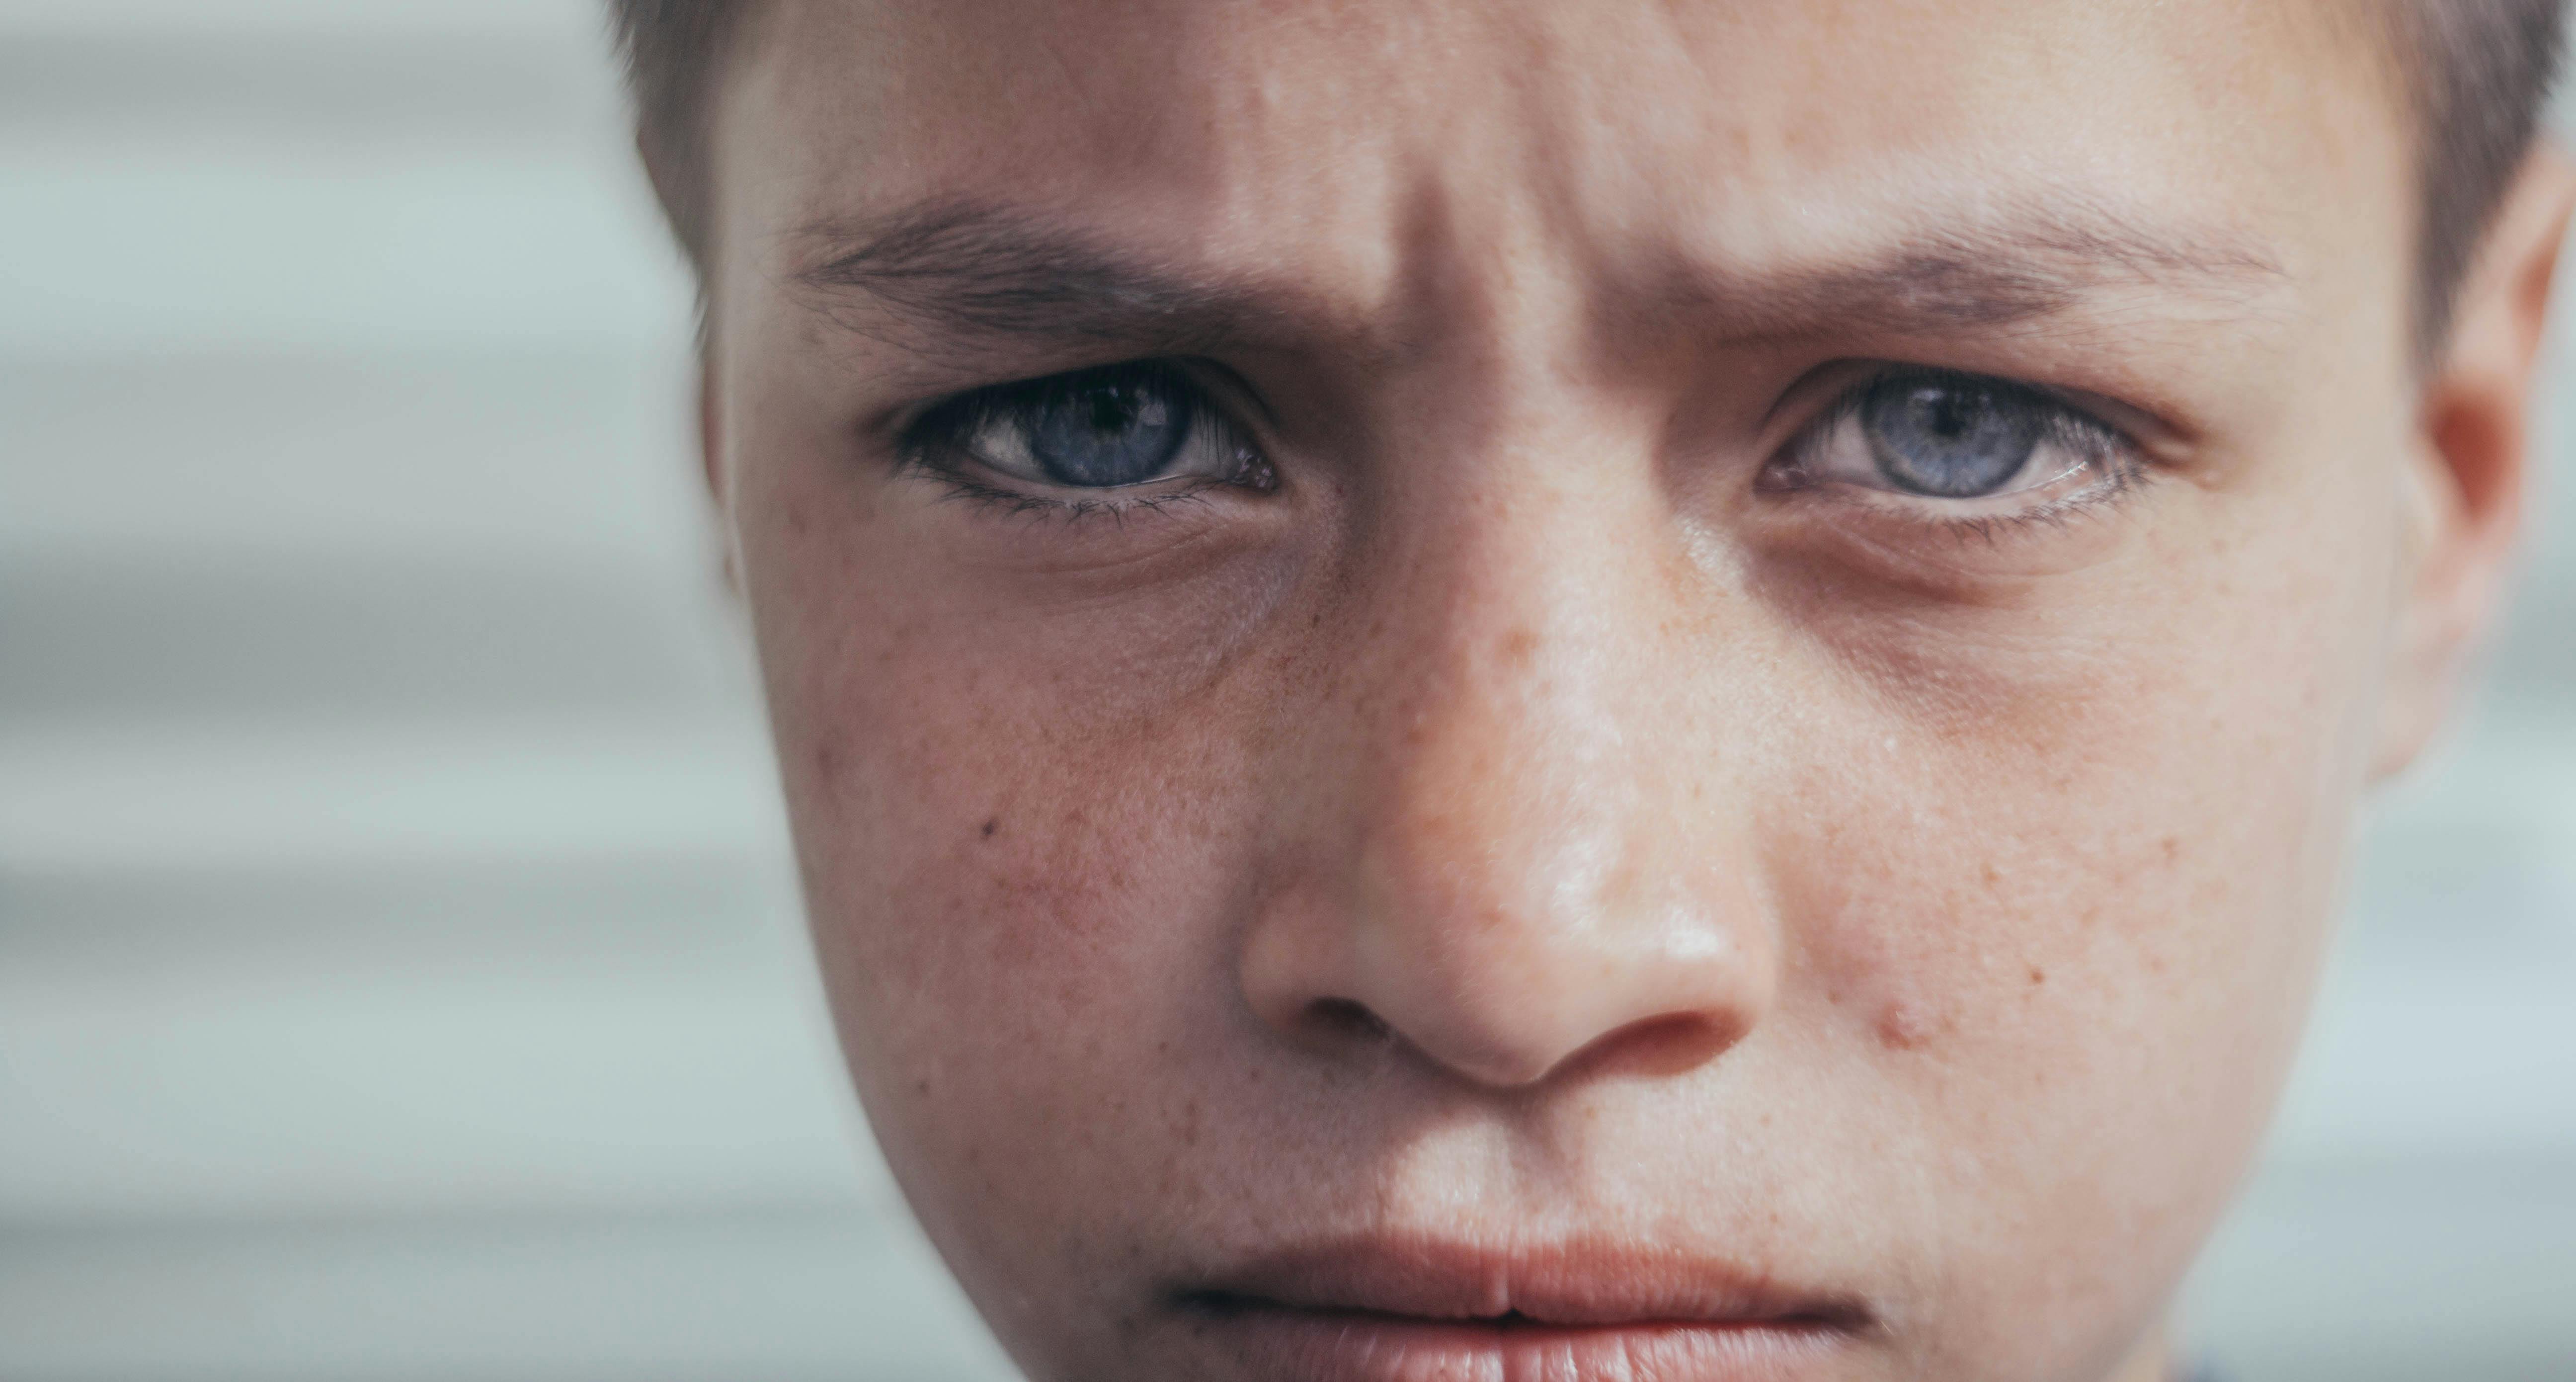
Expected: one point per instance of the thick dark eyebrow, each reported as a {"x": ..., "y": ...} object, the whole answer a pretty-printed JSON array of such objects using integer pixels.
[{"x": 964, "y": 270}]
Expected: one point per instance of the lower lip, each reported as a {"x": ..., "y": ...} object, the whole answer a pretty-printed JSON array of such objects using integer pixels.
[{"x": 1309, "y": 1345}]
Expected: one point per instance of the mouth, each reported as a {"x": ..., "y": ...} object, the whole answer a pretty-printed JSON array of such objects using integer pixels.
[{"x": 1389, "y": 1310}]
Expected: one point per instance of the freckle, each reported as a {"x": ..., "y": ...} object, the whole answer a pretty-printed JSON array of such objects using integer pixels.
[
  {"x": 1992, "y": 876},
  {"x": 992, "y": 825},
  {"x": 1517, "y": 647},
  {"x": 2038, "y": 975},
  {"x": 827, "y": 765},
  {"x": 2172, "y": 848},
  {"x": 921, "y": 1087}
]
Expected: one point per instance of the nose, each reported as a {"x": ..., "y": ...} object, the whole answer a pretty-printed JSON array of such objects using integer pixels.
[{"x": 1522, "y": 855}]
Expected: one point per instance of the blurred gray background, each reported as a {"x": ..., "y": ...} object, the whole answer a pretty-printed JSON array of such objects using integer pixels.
[{"x": 399, "y": 968}]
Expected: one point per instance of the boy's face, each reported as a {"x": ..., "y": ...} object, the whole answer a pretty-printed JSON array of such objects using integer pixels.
[{"x": 1712, "y": 699}]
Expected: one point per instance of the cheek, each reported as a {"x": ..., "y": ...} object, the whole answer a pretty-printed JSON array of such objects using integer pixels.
[
  {"x": 983, "y": 814},
  {"x": 975, "y": 873},
  {"x": 1022, "y": 940},
  {"x": 2076, "y": 880}
]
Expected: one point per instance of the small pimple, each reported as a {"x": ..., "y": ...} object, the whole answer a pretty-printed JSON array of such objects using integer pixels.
[{"x": 1906, "y": 1026}]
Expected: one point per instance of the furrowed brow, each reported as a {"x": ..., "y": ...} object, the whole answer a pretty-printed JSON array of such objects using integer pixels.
[{"x": 962, "y": 270}]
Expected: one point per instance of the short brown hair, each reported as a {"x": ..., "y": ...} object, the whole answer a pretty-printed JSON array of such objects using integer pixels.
[{"x": 2477, "y": 72}]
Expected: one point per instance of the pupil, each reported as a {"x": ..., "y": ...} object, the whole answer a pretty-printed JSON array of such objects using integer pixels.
[
  {"x": 1952, "y": 439},
  {"x": 1109, "y": 412},
  {"x": 1109, "y": 428}
]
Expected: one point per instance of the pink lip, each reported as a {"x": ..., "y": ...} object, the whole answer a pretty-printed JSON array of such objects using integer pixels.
[{"x": 1415, "y": 1310}]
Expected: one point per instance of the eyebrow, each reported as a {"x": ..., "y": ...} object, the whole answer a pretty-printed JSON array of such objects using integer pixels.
[
  {"x": 964, "y": 270},
  {"x": 2016, "y": 261}
]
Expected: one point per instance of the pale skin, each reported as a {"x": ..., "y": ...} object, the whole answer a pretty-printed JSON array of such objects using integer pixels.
[{"x": 1536, "y": 824}]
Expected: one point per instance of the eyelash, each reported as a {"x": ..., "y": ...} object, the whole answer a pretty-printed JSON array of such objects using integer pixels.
[
  {"x": 2119, "y": 461},
  {"x": 932, "y": 445}
]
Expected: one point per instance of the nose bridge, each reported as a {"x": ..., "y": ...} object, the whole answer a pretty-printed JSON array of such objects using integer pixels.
[
  {"x": 1497, "y": 774},
  {"x": 1522, "y": 873}
]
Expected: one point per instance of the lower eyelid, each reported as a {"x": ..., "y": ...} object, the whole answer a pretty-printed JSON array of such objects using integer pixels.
[
  {"x": 1066, "y": 507},
  {"x": 2097, "y": 478},
  {"x": 1014, "y": 496}
]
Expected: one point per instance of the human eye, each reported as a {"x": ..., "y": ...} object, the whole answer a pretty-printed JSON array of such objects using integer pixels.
[
  {"x": 1089, "y": 441},
  {"x": 1949, "y": 447}
]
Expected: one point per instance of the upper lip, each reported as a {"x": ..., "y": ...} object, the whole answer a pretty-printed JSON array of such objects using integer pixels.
[{"x": 1568, "y": 1284}]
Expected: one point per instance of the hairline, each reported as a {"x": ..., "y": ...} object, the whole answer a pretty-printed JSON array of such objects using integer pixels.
[{"x": 2464, "y": 141}]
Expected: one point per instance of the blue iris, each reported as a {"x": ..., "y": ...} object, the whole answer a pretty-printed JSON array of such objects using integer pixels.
[
  {"x": 1951, "y": 438},
  {"x": 1107, "y": 427}
]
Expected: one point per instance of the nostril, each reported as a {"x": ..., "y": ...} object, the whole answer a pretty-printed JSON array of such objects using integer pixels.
[
  {"x": 1662, "y": 1046},
  {"x": 1341, "y": 1017}
]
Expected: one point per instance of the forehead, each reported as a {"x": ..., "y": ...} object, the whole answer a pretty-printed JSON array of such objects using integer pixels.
[{"x": 1265, "y": 132}]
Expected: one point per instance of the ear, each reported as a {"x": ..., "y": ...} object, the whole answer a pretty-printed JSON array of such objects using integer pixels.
[
  {"x": 713, "y": 465},
  {"x": 2470, "y": 463}
]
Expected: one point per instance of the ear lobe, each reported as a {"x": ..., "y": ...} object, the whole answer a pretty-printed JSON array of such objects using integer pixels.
[{"x": 2470, "y": 463}]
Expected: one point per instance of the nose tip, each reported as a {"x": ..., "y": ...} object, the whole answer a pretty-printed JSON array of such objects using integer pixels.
[
  {"x": 1509, "y": 998},
  {"x": 1574, "y": 1019}
]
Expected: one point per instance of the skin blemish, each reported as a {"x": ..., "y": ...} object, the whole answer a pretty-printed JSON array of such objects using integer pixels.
[
  {"x": 990, "y": 826},
  {"x": 1907, "y": 1025}
]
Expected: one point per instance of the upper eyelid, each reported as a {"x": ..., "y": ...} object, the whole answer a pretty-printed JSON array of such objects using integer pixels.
[
  {"x": 1213, "y": 386},
  {"x": 1852, "y": 389}
]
